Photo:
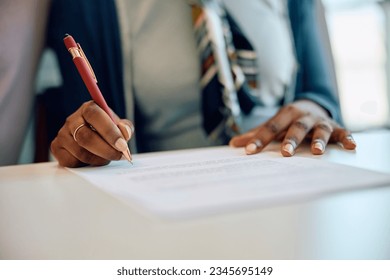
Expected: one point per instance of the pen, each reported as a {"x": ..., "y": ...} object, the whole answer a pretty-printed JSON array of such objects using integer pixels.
[{"x": 88, "y": 76}]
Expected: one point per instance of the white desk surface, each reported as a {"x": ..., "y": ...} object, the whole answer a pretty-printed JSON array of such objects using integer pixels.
[{"x": 46, "y": 212}]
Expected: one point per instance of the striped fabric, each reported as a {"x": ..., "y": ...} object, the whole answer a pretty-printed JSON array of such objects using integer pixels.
[{"x": 228, "y": 71}]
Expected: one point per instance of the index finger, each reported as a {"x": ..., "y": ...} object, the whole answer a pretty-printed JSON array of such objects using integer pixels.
[{"x": 104, "y": 126}]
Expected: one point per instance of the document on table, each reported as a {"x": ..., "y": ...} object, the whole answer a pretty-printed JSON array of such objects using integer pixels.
[{"x": 197, "y": 182}]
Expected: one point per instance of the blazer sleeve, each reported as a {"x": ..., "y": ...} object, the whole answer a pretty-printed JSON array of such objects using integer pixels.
[{"x": 315, "y": 77}]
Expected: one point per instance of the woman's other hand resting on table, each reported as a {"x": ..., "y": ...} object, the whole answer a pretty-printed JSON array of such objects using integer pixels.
[
  {"x": 292, "y": 124},
  {"x": 90, "y": 137}
]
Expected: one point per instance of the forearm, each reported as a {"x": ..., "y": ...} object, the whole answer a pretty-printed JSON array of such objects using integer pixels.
[{"x": 315, "y": 78}]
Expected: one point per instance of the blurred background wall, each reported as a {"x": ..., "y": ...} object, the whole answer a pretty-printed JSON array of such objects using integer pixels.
[{"x": 359, "y": 34}]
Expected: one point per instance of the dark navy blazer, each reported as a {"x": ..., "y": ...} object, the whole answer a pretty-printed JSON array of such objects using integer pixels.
[{"x": 94, "y": 23}]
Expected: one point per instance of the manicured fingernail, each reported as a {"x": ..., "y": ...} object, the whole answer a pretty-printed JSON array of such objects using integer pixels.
[
  {"x": 350, "y": 139},
  {"x": 253, "y": 147},
  {"x": 127, "y": 155},
  {"x": 318, "y": 147},
  {"x": 349, "y": 143},
  {"x": 289, "y": 148},
  {"x": 121, "y": 144}
]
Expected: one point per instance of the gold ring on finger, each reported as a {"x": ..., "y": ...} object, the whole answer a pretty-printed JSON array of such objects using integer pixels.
[{"x": 76, "y": 130}]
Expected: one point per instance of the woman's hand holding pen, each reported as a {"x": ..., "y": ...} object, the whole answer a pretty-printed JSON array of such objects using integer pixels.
[
  {"x": 292, "y": 124},
  {"x": 93, "y": 134},
  {"x": 90, "y": 137}
]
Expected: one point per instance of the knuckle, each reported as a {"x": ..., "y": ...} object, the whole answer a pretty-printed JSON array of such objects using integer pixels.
[
  {"x": 63, "y": 131},
  {"x": 68, "y": 121},
  {"x": 322, "y": 120},
  {"x": 325, "y": 127},
  {"x": 301, "y": 125},
  {"x": 290, "y": 110},
  {"x": 87, "y": 104},
  {"x": 273, "y": 127},
  {"x": 57, "y": 144},
  {"x": 72, "y": 118},
  {"x": 89, "y": 110}
]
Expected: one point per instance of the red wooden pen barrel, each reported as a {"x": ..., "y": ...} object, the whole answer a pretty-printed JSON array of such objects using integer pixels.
[{"x": 87, "y": 74}]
